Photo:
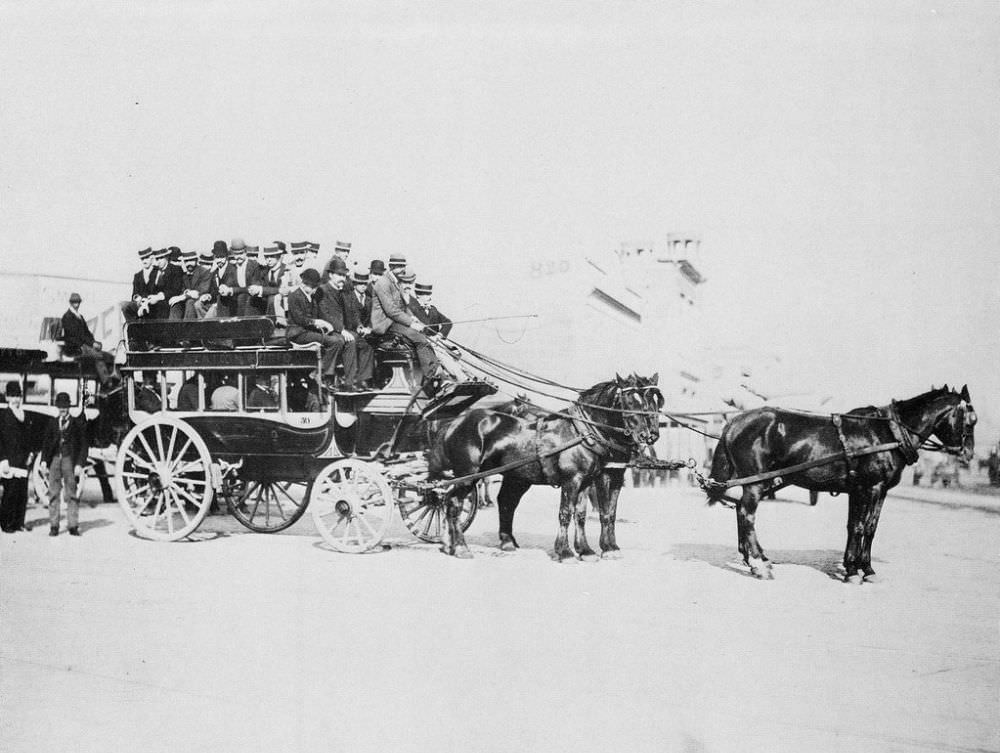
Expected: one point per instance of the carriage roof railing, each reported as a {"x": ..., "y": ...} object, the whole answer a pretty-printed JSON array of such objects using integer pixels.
[
  {"x": 213, "y": 344},
  {"x": 34, "y": 361}
]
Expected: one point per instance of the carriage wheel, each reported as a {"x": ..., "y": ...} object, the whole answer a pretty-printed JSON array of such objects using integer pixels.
[
  {"x": 351, "y": 505},
  {"x": 163, "y": 479},
  {"x": 268, "y": 506},
  {"x": 425, "y": 516},
  {"x": 40, "y": 480}
]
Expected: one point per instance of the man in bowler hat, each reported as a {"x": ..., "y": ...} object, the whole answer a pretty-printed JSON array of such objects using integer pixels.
[{"x": 64, "y": 453}]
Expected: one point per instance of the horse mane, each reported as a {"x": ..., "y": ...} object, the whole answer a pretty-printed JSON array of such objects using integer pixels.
[
  {"x": 601, "y": 394},
  {"x": 924, "y": 398}
]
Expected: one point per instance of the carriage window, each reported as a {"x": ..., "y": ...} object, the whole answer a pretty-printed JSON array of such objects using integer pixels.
[
  {"x": 189, "y": 392},
  {"x": 148, "y": 392},
  {"x": 302, "y": 392},
  {"x": 261, "y": 391},
  {"x": 6, "y": 379},
  {"x": 223, "y": 391},
  {"x": 38, "y": 389}
]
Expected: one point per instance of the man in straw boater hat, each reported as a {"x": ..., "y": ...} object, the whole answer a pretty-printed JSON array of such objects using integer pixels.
[
  {"x": 390, "y": 314},
  {"x": 342, "y": 251},
  {"x": 79, "y": 342},
  {"x": 269, "y": 285},
  {"x": 358, "y": 302},
  {"x": 63, "y": 454},
  {"x": 168, "y": 284},
  {"x": 143, "y": 286},
  {"x": 424, "y": 309},
  {"x": 198, "y": 287},
  {"x": 17, "y": 432}
]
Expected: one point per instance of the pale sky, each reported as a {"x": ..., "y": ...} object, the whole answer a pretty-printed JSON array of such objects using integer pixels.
[{"x": 840, "y": 161}]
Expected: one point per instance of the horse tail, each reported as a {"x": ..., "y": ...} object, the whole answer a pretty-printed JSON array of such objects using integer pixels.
[{"x": 722, "y": 471}]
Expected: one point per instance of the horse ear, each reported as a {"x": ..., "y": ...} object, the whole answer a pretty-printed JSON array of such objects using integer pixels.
[
  {"x": 618, "y": 379},
  {"x": 965, "y": 393},
  {"x": 655, "y": 379}
]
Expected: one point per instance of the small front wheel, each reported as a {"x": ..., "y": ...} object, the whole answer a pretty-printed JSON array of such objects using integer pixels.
[{"x": 351, "y": 505}]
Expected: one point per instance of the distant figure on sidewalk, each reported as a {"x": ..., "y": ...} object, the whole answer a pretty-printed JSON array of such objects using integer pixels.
[{"x": 64, "y": 452}]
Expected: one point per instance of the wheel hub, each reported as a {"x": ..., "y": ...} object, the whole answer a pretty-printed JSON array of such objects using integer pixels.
[{"x": 343, "y": 507}]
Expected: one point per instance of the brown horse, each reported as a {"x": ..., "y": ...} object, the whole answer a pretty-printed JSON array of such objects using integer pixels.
[
  {"x": 768, "y": 439},
  {"x": 569, "y": 450}
]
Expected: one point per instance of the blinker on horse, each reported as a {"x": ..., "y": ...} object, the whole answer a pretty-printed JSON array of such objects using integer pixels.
[
  {"x": 862, "y": 452},
  {"x": 570, "y": 450}
]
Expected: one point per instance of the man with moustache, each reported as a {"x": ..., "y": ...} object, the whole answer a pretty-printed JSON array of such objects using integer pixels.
[
  {"x": 334, "y": 307},
  {"x": 79, "y": 342},
  {"x": 199, "y": 289},
  {"x": 143, "y": 286},
  {"x": 391, "y": 315},
  {"x": 240, "y": 274},
  {"x": 305, "y": 325}
]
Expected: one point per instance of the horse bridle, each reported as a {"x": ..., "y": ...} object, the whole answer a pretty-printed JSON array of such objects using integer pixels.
[{"x": 927, "y": 442}]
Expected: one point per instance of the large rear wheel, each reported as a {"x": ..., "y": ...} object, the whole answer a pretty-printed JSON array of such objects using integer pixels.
[
  {"x": 352, "y": 505},
  {"x": 163, "y": 478},
  {"x": 268, "y": 506}
]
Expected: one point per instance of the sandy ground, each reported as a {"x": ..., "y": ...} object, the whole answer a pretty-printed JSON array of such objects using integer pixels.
[{"x": 249, "y": 642}]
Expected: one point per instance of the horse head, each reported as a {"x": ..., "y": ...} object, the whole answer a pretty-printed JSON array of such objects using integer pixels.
[
  {"x": 953, "y": 422},
  {"x": 640, "y": 402}
]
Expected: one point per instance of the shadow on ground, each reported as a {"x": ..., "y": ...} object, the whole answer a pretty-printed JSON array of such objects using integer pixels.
[{"x": 826, "y": 561}]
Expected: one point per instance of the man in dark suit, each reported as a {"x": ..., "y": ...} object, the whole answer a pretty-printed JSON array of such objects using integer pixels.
[
  {"x": 240, "y": 274},
  {"x": 357, "y": 353},
  {"x": 358, "y": 303},
  {"x": 143, "y": 286},
  {"x": 17, "y": 435},
  {"x": 79, "y": 342},
  {"x": 64, "y": 453},
  {"x": 269, "y": 284},
  {"x": 424, "y": 309},
  {"x": 306, "y": 326},
  {"x": 198, "y": 287}
]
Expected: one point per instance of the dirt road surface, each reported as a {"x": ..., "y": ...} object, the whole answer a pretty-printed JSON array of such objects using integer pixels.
[{"x": 248, "y": 642}]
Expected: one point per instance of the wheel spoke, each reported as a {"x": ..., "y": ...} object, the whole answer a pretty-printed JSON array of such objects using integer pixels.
[
  {"x": 170, "y": 446},
  {"x": 149, "y": 450},
  {"x": 198, "y": 481},
  {"x": 140, "y": 461},
  {"x": 159, "y": 443},
  {"x": 187, "y": 496},
  {"x": 180, "y": 506},
  {"x": 180, "y": 455},
  {"x": 285, "y": 492},
  {"x": 277, "y": 502},
  {"x": 363, "y": 521}
]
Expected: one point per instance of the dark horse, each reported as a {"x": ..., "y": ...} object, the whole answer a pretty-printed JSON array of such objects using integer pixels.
[
  {"x": 569, "y": 450},
  {"x": 768, "y": 439}
]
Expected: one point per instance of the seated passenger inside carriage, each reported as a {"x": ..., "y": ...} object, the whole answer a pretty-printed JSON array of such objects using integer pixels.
[
  {"x": 147, "y": 395},
  {"x": 262, "y": 391},
  {"x": 224, "y": 395}
]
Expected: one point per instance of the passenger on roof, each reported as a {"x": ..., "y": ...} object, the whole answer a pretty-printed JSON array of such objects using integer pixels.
[
  {"x": 169, "y": 279},
  {"x": 266, "y": 292},
  {"x": 391, "y": 316},
  {"x": 199, "y": 288},
  {"x": 79, "y": 342},
  {"x": 333, "y": 308},
  {"x": 143, "y": 287},
  {"x": 358, "y": 303},
  {"x": 239, "y": 275},
  {"x": 341, "y": 251},
  {"x": 305, "y": 325},
  {"x": 424, "y": 309}
]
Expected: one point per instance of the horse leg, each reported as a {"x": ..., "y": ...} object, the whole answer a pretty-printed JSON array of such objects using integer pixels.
[
  {"x": 455, "y": 545},
  {"x": 746, "y": 515},
  {"x": 871, "y": 523},
  {"x": 583, "y": 550},
  {"x": 567, "y": 503},
  {"x": 609, "y": 486},
  {"x": 511, "y": 491},
  {"x": 856, "y": 512}
]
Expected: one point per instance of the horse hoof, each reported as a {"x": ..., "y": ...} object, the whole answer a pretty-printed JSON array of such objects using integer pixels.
[
  {"x": 590, "y": 557},
  {"x": 567, "y": 557},
  {"x": 872, "y": 578},
  {"x": 508, "y": 546},
  {"x": 612, "y": 554},
  {"x": 854, "y": 578},
  {"x": 463, "y": 553},
  {"x": 761, "y": 569}
]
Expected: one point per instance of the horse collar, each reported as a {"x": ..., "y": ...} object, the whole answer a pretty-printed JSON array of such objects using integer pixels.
[{"x": 902, "y": 434}]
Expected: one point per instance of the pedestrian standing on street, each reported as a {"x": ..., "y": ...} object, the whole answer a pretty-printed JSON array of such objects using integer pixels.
[
  {"x": 64, "y": 451},
  {"x": 16, "y": 430}
]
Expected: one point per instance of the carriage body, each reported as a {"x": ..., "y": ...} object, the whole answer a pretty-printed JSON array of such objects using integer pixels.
[{"x": 204, "y": 433}]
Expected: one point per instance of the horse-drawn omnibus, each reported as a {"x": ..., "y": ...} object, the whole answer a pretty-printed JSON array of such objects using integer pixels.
[{"x": 223, "y": 410}]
